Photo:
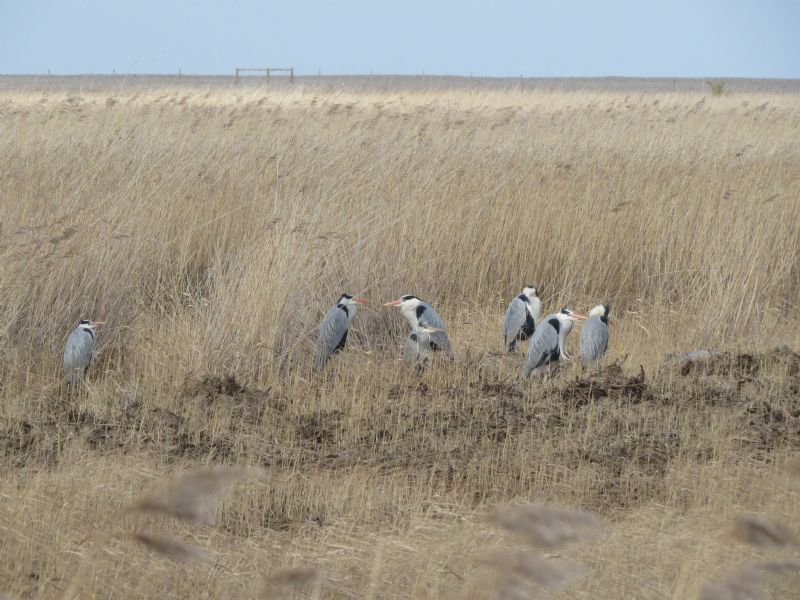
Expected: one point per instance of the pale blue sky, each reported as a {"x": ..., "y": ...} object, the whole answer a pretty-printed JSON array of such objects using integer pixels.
[{"x": 667, "y": 38}]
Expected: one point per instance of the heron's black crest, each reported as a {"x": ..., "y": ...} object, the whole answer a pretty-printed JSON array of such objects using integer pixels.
[
  {"x": 606, "y": 313},
  {"x": 419, "y": 311},
  {"x": 523, "y": 297},
  {"x": 408, "y": 297},
  {"x": 413, "y": 337},
  {"x": 85, "y": 322},
  {"x": 554, "y": 323},
  {"x": 345, "y": 297}
]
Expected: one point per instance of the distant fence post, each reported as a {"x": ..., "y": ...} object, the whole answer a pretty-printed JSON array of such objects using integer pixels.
[{"x": 267, "y": 71}]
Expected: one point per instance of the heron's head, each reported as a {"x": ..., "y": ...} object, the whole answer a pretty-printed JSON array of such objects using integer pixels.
[
  {"x": 530, "y": 291},
  {"x": 566, "y": 314},
  {"x": 348, "y": 300},
  {"x": 406, "y": 301},
  {"x": 90, "y": 325},
  {"x": 601, "y": 310}
]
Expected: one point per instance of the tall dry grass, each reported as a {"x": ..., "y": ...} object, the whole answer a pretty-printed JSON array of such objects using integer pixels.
[{"x": 213, "y": 228}]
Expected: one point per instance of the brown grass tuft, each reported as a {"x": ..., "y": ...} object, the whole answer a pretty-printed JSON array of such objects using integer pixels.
[
  {"x": 547, "y": 526},
  {"x": 760, "y": 531},
  {"x": 523, "y": 564},
  {"x": 296, "y": 576},
  {"x": 749, "y": 582},
  {"x": 191, "y": 496},
  {"x": 171, "y": 548}
]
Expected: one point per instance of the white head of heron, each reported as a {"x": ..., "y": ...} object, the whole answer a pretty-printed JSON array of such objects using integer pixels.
[
  {"x": 566, "y": 318},
  {"x": 408, "y": 306},
  {"x": 601, "y": 310},
  {"x": 405, "y": 302},
  {"x": 530, "y": 291},
  {"x": 348, "y": 300},
  {"x": 88, "y": 325}
]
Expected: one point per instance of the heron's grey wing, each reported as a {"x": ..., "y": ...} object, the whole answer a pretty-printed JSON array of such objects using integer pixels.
[
  {"x": 542, "y": 346},
  {"x": 332, "y": 334},
  {"x": 424, "y": 346},
  {"x": 430, "y": 318},
  {"x": 515, "y": 318},
  {"x": 594, "y": 340},
  {"x": 410, "y": 348},
  {"x": 78, "y": 354}
]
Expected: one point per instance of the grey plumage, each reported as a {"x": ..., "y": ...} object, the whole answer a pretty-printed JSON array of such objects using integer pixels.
[
  {"x": 543, "y": 348},
  {"x": 420, "y": 314},
  {"x": 522, "y": 316},
  {"x": 594, "y": 335},
  {"x": 411, "y": 347},
  {"x": 548, "y": 344},
  {"x": 79, "y": 351},
  {"x": 332, "y": 334},
  {"x": 438, "y": 339},
  {"x": 418, "y": 345}
]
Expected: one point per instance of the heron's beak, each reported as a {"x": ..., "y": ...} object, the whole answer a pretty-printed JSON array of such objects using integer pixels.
[
  {"x": 394, "y": 303},
  {"x": 431, "y": 330},
  {"x": 578, "y": 317},
  {"x": 96, "y": 323},
  {"x": 359, "y": 300}
]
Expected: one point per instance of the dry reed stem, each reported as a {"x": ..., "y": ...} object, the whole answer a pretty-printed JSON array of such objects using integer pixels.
[{"x": 191, "y": 496}]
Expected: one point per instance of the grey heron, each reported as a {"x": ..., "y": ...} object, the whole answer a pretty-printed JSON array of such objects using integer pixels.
[
  {"x": 522, "y": 315},
  {"x": 594, "y": 335},
  {"x": 80, "y": 350},
  {"x": 418, "y": 345},
  {"x": 421, "y": 314},
  {"x": 333, "y": 330},
  {"x": 548, "y": 344}
]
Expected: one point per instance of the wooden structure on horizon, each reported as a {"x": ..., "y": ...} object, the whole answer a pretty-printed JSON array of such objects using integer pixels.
[{"x": 267, "y": 72}]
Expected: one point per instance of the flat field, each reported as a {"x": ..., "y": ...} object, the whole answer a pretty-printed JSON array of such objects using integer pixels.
[{"x": 213, "y": 225}]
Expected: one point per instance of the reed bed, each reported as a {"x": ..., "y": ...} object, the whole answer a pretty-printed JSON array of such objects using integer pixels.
[{"x": 213, "y": 227}]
